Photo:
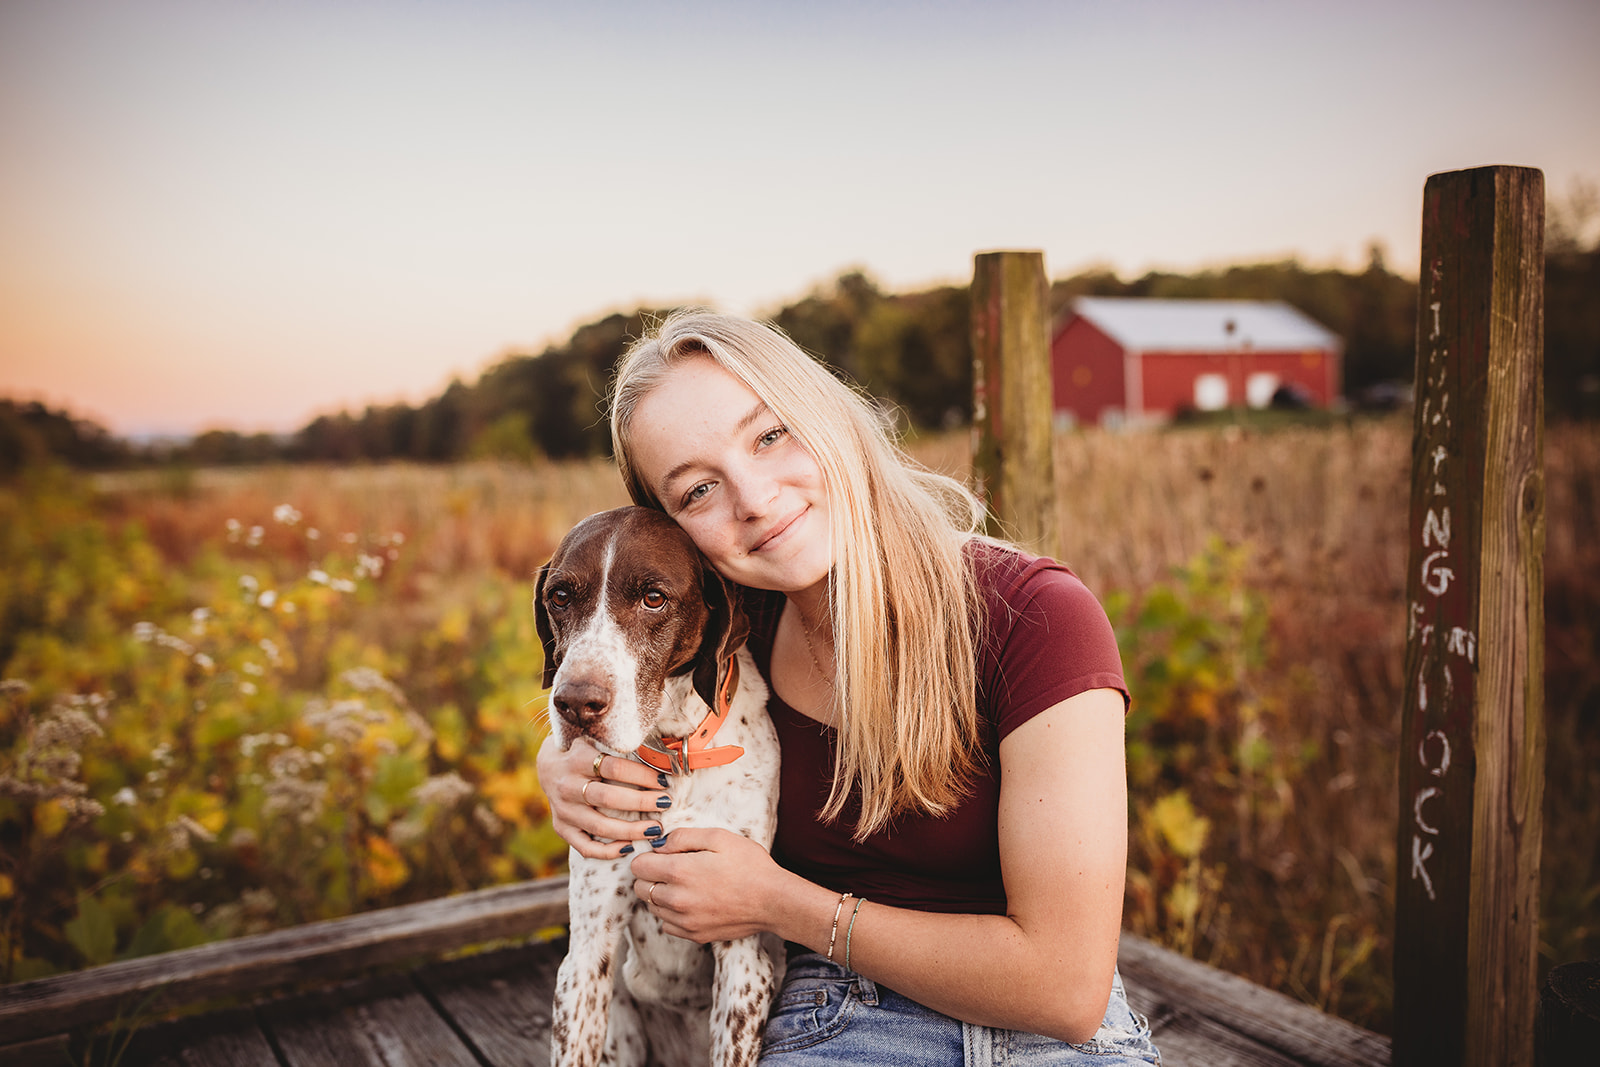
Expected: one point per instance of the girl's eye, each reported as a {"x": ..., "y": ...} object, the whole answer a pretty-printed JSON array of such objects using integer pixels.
[
  {"x": 697, "y": 493},
  {"x": 655, "y": 600},
  {"x": 773, "y": 435}
]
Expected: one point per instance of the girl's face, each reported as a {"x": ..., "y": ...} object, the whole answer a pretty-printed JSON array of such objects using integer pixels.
[{"x": 733, "y": 476}]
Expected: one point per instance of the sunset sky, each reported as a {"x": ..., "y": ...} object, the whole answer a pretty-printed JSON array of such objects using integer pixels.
[{"x": 217, "y": 213}]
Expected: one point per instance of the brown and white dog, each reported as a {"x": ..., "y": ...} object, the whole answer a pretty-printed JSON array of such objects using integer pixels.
[{"x": 643, "y": 647}]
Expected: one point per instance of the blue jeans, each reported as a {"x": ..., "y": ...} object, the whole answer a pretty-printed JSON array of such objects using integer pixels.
[{"x": 827, "y": 1015}]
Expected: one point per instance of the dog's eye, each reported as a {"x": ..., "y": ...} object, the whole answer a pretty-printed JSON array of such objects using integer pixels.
[
  {"x": 559, "y": 598},
  {"x": 655, "y": 600}
]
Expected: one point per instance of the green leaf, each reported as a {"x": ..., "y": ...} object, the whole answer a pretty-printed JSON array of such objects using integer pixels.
[{"x": 92, "y": 932}]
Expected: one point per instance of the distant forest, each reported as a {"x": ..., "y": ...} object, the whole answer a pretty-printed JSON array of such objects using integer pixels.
[{"x": 910, "y": 350}]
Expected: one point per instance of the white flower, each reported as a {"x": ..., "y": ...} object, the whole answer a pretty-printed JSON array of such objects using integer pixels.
[
  {"x": 318, "y": 575},
  {"x": 267, "y": 598},
  {"x": 344, "y": 585},
  {"x": 313, "y": 534},
  {"x": 248, "y": 688},
  {"x": 286, "y": 514},
  {"x": 256, "y": 534},
  {"x": 126, "y": 796},
  {"x": 248, "y": 583},
  {"x": 203, "y": 661}
]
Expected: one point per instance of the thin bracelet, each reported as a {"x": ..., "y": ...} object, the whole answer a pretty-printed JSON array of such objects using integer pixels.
[
  {"x": 837, "y": 908},
  {"x": 850, "y": 930}
]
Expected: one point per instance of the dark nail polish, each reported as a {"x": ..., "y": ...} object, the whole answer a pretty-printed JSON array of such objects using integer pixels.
[
  {"x": 662, "y": 778},
  {"x": 663, "y": 803},
  {"x": 626, "y": 849},
  {"x": 658, "y": 842},
  {"x": 652, "y": 831}
]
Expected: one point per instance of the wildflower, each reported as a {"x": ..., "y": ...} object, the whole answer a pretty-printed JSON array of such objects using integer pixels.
[
  {"x": 256, "y": 534},
  {"x": 289, "y": 763},
  {"x": 368, "y": 566},
  {"x": 286, "y": 514},
  {"x": 267, "y": 598},
  {"x": 204, "y": 662},
  {"x": 267, "y": 645},
  {"x": 487, "y": 820},
  {"x": 234, "y": 527},
  {"x": 255, "y": 670},
  {"x": 368, "y": 680},
  {"x": 295, "y": 795},
  {"x": 15, "y": 686},
  {"x": 343, "y": 585},
  {"x": 126, "y": 796},
  {"x": 348, "y": 538},
  {"x": 145, "y": 631},
  {"x": 342, "y": 720},
  {"x": 313, "y": 534},
  {"x": 184, "y": 831},
  {"x": 444, "y": 790},
  {"x": 248, "y": 583},
  {"x": 318, "y": 575}
]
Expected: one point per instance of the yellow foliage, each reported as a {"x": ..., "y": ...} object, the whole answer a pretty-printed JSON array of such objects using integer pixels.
[
  {"x": 50, "y": 818},
  {"x": 1183, "y": 829},
  {"x": 514, "y": 795},
  {"x": 454, "y": 625},
  {"x": 385, "y": 866},
  {"x": 8, "y": 887}
]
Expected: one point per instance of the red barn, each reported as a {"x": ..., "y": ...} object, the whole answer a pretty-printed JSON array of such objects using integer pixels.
[{"x": 1131, "y": 361}]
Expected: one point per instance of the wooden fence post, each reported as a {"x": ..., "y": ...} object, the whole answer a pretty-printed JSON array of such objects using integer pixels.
[
  {"x": 1012, "y": 454},
  {"x": 1472, "y": 740}
]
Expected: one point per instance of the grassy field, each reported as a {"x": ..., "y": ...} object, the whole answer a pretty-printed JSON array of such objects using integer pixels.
[{"x": 334, "y": 698}]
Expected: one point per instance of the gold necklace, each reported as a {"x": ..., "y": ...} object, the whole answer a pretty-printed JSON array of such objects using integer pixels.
[{"x": 805, "y": 632}]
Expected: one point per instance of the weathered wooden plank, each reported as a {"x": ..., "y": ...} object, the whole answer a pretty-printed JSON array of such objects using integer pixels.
[
  {"x": 1303, "y": 1034},
  {"x": 500, "y": 1003},
  {"x": 315, "y": 951},
  {"x": 1187, "y": 1040},
  {"x": 243, "y": 1047},
  {"x": 353, "y": 1028},
  {"x": 1013, "y": 444},
  {"x": 50, "y": 1051},
  {"x": 1472, "y": 737}
]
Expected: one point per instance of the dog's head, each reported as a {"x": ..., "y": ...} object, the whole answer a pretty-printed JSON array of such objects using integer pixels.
[{"x": 625, "y": 604}]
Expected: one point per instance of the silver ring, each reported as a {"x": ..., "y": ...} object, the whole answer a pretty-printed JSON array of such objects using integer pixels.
[
  {"x": 584, "y": 792},
  {"x": 650, "y": 897},
  {"x": 598, "y": 757}
]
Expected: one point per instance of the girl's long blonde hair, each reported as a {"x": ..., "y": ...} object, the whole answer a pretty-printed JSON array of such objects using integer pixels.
[{"x": 904, "y": 603}]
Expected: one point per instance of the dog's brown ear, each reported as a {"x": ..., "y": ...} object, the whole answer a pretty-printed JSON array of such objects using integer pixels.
[
  {"x": 547, "y": 635},
  {"x": 727, "y": 626}
]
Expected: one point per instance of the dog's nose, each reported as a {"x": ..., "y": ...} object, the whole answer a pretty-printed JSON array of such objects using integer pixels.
[{"x": 581, "y": 703}]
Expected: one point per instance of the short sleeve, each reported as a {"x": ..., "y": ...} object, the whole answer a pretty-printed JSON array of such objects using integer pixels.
[{"x": 1046, "y": 638}]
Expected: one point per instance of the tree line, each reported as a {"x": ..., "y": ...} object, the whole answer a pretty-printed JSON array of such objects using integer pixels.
[{"x": 911, "y": 351}]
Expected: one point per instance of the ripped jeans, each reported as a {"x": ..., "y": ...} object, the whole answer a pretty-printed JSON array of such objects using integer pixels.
[{"x": 826, "y": 1015}]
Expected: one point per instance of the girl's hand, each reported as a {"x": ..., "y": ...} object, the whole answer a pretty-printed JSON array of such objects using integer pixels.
[
  {"x": 579, "y": 782},
  {"x": 707, "y": 884}
]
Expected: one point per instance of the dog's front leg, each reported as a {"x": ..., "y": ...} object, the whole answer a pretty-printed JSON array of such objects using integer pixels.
[
  {"x": 598, "y": 909},
  {"x": 740, "y": 996}
]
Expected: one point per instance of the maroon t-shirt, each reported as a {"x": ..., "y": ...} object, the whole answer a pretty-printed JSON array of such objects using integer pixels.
[{"x": 1045, "y": 639}]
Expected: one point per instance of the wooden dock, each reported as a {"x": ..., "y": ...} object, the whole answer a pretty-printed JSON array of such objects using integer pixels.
[{"x": 372, "y": 989}]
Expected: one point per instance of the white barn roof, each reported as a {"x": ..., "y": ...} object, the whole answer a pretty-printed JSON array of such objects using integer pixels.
[{"x": 1141, "y": 325}]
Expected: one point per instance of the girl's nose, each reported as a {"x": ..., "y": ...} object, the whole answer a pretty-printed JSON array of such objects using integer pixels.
[{"x": 753, "y": 495}]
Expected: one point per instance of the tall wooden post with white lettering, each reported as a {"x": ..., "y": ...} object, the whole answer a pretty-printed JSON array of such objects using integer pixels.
[
  {"x": 1472, "y": 742},
  {"x": 1012, "y": 456}
]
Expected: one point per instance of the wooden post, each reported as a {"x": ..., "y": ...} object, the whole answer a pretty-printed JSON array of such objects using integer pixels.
[
  {"x": 1012, "y": 454},
  {"x": 1472, "y": 740}
]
